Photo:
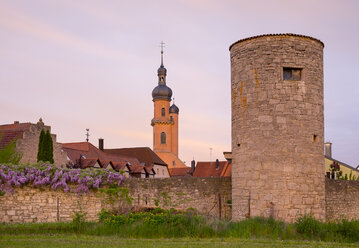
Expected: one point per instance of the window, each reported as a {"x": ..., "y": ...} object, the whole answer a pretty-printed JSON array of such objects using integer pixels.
[
  {"x": 294, "y": 74},
  {"x": 163, "y": 112},
  {"x": 173, "y": 163},
  {"x": 163, "y": 138}
]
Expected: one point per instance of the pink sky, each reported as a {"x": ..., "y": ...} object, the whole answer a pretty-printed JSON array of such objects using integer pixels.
[{"x": 92, "y": 64}]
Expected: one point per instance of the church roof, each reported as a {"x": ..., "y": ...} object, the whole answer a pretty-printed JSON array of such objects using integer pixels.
[
  {"x": 174, "y": 109},
  {"x": 162, "y": 92}
]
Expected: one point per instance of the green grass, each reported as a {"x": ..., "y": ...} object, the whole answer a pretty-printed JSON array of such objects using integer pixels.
[
  {"x": 159, "y": 224},
  {"x": 80, "y": 241}
]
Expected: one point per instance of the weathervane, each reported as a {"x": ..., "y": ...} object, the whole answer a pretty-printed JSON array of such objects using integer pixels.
[{"x": 87, "y": 134}]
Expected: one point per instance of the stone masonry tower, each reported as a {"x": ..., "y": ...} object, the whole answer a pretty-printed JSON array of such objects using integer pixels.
[
  {"x": 277, "y": 127},
  {"x": 165, "y": 121}
]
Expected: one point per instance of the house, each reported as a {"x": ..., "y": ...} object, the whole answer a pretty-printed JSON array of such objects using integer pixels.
[
  {"x": 26, "y": 136},
  {"x": 85, "y": 155},
  {"x": 345, "y": 168},
  {"x": 145, "y": 155}
]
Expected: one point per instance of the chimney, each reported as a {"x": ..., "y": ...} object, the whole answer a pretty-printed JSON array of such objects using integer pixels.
[
  {"x": 100, "y": 144},
  {"x": 217, "y": 164},
  {"x": 328, "y": 149},
  {"x": 16, "y": 122},
  {"x": 193, "y": 166}
]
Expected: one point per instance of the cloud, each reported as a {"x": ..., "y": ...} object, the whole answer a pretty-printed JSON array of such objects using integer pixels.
[{"x": 14, "y": 19}]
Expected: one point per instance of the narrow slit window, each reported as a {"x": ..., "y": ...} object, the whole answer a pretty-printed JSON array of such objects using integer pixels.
[
  {"x": 315, "y": 138},
  {"x": 294, "y": 74},
  {"x": 163, "y": 112},
  {"x": 163, "y": 138}
]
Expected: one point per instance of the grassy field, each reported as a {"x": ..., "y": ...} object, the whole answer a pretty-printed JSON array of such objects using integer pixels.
[
  {"x": 170, "y": 228},
  {"x": 79, "y": 241}
]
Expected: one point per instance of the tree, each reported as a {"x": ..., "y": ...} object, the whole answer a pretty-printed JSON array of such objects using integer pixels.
[
  {"x": 49, "y": 147},
  {"x": 45, "y": 148},
  {"x": 8, "y": 153},
  {"x": 40, "y": 151}
]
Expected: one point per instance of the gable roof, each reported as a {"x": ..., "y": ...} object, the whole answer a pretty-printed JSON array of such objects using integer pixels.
[
  {"x": 208, "y": 169},
  {"x": 143, "y": 154},
  {"x": 87, "y": 150},
  {"x": 12, "y": 132}
]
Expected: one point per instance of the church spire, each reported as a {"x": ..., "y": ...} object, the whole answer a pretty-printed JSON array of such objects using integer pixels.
[{"x": 162, "y": 72}]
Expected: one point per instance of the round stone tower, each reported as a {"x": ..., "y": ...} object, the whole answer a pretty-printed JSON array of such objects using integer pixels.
[{"x": 277, "y": 127}]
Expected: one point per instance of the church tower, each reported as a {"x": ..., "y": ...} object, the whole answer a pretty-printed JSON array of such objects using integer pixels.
[{"x": 165, "y": 121}]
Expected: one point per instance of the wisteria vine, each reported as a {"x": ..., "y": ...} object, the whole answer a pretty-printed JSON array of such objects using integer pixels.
[{"x": 81, "y": 180}]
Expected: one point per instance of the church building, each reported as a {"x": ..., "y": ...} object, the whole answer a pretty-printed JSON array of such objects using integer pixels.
[{"x": 165, "y": 122}]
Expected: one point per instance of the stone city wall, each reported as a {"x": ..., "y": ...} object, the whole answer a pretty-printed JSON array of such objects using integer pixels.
[
  {"x": 342, "y": 199},
  {"x": 208, "y": 195}
]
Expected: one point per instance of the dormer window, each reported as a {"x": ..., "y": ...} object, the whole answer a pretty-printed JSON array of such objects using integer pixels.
[{"x": 294, "y": 74}]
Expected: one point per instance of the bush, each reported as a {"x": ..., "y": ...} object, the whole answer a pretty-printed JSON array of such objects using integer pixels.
[{"x": 308, "y": 226}]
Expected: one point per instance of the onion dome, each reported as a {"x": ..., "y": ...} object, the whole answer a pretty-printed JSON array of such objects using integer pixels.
[
  {"x": 162, "y": 92},
  {"x": 162, "y": 71},
  {"x": 174, "y": 109}
]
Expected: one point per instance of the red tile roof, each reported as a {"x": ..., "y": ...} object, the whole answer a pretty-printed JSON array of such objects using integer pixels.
[
  {"x": 90, "y": 154},
  {"x": 227, "y": 171},
  {"x": 88, "y": 162},
  {"x": 12, "y": 132},
  {"x": 143, "y": 154},
  {"x": 209, "y": 169},
  {"x": 180, "y": 172},
  {"x": 74, "y": 150}
]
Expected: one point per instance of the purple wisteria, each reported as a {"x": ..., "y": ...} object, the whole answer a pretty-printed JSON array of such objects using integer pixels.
[{"x": 81, "y": 180}]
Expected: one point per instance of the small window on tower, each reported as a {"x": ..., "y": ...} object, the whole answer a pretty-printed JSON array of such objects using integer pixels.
[
  {"x": 294, "y": 74},
  {"x": 163, "y": 112},
  {"x": 163, "y": 138}
]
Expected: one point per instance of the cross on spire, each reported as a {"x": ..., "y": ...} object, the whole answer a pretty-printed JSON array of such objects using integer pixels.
[
  {"x": 162, "y": 45},
  {"x": 87, "y": 134}
]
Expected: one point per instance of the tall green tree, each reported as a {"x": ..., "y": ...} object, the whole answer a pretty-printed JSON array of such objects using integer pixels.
[
  {"x": 40, "y": 149},
  {"x": 49, "y": 148},
  {"x": 9, "y": 155},
  {"x": 45, "y": 148}
]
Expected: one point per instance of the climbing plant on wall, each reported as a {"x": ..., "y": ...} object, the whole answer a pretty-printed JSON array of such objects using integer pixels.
[{"x": 8, "y": 153}]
